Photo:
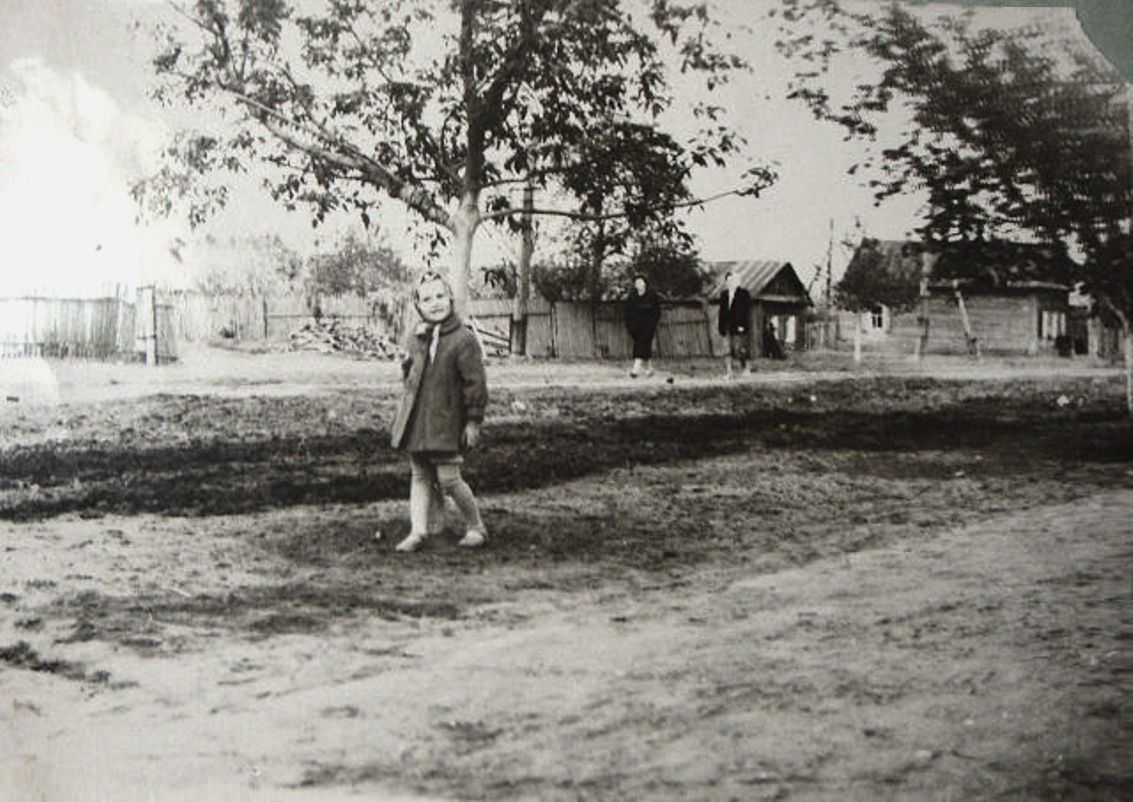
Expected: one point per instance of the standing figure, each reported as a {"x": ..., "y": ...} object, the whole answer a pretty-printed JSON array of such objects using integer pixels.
[
  {"x": 771, "y": 347},
  {"x": 735, "y": 323},
  {"x": 643, "y": 312},
  {"x": 442, "y": 407}
]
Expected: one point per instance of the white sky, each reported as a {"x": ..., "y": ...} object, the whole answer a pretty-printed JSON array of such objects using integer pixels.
[{"x": 76, "y": 128}]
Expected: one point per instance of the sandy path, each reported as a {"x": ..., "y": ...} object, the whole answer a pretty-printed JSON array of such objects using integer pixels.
[
  {"x": 985, "y": 661},
  {"x": 215, "y": 371}
]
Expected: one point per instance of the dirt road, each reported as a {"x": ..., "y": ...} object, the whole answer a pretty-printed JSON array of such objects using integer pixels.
[{"x": 875, "y": 589}]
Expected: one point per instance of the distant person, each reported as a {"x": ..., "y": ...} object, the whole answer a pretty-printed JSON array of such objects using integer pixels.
[
  {"x": 734, "y": 324},
  {"x": 771, "y": 347},
  {"x": 643, "y": 313},
  {"x": 442, "y": 407}
]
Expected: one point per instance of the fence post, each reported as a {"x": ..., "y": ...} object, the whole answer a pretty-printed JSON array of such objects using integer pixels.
[
  {"x": 554, "y": 326},
  {"x": 150, "y": 321}
]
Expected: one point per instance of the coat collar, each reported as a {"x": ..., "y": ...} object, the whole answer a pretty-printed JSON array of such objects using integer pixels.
[{"x": 447, "y": 326}]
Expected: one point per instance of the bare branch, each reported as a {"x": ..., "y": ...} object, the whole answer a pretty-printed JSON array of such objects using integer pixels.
[{"x": 596, "y": 218}]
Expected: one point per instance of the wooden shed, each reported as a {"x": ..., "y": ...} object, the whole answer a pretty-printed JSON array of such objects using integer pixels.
[
  {"x": 1007, "y": 299},
  {"x": 778, "y": 296}
]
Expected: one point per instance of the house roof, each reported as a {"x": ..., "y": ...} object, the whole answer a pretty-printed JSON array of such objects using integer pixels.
[
  {"x": 1015, "y": 265},
  {"x": 756, "y": 276}
]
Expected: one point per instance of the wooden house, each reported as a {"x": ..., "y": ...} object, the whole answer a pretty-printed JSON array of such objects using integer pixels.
[
  {"x": 778, "y": 297},
  {"x": 1007, "y": 298}
]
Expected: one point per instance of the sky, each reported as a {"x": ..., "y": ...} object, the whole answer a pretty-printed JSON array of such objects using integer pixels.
[{"x": 77, "y": 127}]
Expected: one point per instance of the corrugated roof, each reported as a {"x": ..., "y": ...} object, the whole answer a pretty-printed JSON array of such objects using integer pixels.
[{"x": 755, "y": 274}]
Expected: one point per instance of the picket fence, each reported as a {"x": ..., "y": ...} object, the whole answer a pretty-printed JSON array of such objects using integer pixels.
[
  {"x": 104, "y": 328},
  {"x": 569, "y": 330},
  {"x": 564, "y": 330},
  {"x": 87, "y": 328}
]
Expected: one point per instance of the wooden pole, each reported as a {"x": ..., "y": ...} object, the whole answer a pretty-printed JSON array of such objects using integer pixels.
[
  {"x": 972, "y": 344},
  {"x": 151, "y": 324},
  {"x": 928, "y": 260},
  {"x": 1126, "y": 330},
  {"x": 519, "y": 314}
]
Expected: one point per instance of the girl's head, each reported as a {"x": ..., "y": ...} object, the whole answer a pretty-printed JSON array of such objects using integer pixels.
[
  {"x": 639, "y": 284},
  {"x": 433, "y": 297}
]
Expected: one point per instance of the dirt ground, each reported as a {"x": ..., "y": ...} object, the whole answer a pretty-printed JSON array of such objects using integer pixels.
[{"x": 890, "y": 581}]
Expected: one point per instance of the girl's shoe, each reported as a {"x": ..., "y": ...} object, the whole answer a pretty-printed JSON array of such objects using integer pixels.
[
  {"x": 472, "y": 538},
  {"x": 411, "y": 543}
]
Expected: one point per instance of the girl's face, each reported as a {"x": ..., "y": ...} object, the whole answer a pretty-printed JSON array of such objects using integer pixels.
[
  {"x": 639, "y": 285},
  {"x": 434, "y": 302}
]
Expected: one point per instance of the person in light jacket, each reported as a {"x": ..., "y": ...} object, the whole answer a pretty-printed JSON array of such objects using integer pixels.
[{"x": 439, "y": 417}]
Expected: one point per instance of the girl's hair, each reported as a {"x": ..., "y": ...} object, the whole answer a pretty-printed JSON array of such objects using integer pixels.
[{"x": 428, "y": 277}]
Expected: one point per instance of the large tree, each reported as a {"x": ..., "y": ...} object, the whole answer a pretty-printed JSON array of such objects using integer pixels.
[
  {"x": 1012, "y": 134},
  {"x": 443, "y": 105}
]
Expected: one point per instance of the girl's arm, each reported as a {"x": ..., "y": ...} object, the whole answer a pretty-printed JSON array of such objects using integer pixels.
[{"x": 473, "y": 379}]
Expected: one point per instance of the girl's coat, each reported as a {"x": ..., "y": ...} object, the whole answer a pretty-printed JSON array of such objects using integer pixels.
[{"x": 443, "y": 390}]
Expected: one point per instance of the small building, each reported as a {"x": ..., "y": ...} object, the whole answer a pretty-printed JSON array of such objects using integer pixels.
[
  {"x": 1013, "y": 298},
  {"x": 778, "y": 297}
]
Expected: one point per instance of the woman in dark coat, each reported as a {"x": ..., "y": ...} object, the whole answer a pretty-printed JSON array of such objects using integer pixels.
[{"x": 643, "y": 312}]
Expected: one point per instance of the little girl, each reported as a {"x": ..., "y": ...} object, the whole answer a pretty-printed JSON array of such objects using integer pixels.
[{"x": 440, "y": 414}]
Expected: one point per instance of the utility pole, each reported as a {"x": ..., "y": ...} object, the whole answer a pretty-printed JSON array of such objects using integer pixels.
[
  {"x": 827, "y": 307},
  {"x": 1128, "y": 325},
  {"x": 829, "y": 261},
  {"x": 519, "y": 311},
  {"x": 928, "y": 260}
]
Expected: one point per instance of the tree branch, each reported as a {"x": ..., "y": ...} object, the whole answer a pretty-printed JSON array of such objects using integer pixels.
[
  {"x": 416, "y": 198},
  {"x": 594, "y": 218}
]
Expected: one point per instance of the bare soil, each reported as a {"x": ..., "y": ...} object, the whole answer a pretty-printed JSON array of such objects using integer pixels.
[{"x": 824, "y": 582}]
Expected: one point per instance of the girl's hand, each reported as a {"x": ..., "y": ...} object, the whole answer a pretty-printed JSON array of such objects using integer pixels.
[{"x": 470, "y": 437}]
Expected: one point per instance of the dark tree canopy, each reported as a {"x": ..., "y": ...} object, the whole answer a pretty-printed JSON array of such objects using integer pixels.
[
  {"x": 880, "y": 275},
  {"x": 444, "y": 105},
  {"x": 1013, "y": 135},
  {"x": 358, "y": 266}
]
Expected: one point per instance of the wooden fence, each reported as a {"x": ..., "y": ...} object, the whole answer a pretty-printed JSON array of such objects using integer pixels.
[
  {"x": 201, "y": 317},
  {"x": 77, "y": 327},
  {"x": 108, "y": 327},
  {"x": 87, "y": 328},
  {"x": 585, "y": 330},
  {"x": 565, "y": 330}
]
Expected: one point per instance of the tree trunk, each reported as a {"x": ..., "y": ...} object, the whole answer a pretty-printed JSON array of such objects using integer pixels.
[
  {"x": 465, "y": 223},
  {"x": 857, "y": 338},
  {"x": 1127, "y": 336}
]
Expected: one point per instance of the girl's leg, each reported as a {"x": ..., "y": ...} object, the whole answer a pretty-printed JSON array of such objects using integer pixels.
[
  {"x": 435, "y": 519},
  {"x": 453, "y": 484},
  {"x": 422, "y": 484}
]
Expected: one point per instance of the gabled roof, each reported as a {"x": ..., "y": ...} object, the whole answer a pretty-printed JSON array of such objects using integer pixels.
[
  {"x": 757, "y": 276},
  {"x": 1006, "y": 264},
  {"x": 899, "y": 260},
  {"x": 1015, "y": 265}
]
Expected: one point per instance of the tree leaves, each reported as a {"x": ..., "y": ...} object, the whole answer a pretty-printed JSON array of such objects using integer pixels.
[{"x": 1015, "y": 135}]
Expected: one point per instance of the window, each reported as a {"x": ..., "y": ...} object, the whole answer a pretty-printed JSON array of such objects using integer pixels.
[
  {"x": 877, "y": 318},
  {"x": 1052, "y": 324}
]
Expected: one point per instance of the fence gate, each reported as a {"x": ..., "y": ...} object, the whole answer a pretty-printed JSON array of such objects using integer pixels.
[{"x": 153, "y": 328}]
